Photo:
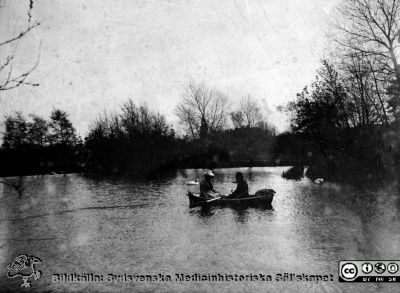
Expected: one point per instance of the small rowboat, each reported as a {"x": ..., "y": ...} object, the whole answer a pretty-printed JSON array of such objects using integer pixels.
[{"x": 262, "y": 198}]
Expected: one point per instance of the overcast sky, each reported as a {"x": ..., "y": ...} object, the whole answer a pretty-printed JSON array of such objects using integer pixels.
[{"x": 96, "y": 54}]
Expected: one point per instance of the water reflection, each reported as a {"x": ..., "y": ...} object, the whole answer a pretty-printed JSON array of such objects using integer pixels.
[
  {"x": 119, "y": 225},
  {"x": 241, "y": 212},
  {"x": 241, "y": 215}
]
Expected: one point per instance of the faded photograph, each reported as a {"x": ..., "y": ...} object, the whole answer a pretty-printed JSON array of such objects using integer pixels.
[{"x": 199, "y": 146}]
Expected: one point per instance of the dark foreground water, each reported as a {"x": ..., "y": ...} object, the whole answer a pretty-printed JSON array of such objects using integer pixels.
[{"x": 118, "y": 226}]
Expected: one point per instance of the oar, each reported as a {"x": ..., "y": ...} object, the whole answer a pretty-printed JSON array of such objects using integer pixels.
[{"x": 204, "y": 202}]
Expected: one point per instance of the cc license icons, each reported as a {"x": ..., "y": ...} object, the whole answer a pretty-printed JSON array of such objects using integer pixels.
[
  {"x": 349, "y": 271},
  {"x": 380, "y": 267},
  {"x": 393, "y": 268},
  {"x": 367, "y": 268},
  {"x": 383, "y": 271}
]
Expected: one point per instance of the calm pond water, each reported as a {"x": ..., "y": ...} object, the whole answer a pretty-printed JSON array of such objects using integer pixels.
[{"x": 81, "y": 225}]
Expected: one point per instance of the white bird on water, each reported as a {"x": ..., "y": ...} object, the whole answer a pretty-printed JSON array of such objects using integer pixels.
[
  {"x": 195, "y": 182},
  {"x": 319, "y": 181}
]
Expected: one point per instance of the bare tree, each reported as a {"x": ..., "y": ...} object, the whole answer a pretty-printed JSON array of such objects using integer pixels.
[
  {"x": 37, "y": 131},
  {"x": 372, "y": 28},
  {"x": 216, "y": 119},
  {"x": 366, "y": 88},
  {"x": 248, "y": 114},
  {"x": 10, "y": 79},
  {"x": 61, "y": 129},
  {"x": 202, "y": 108},
  {"x": 16, "y": 128},
  {"x": 237, "y": 119}
]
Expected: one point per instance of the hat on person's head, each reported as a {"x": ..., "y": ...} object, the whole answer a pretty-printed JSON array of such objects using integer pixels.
[{"x": 208, "y": 173}]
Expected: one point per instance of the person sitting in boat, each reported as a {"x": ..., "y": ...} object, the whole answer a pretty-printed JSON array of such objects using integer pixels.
[
  {"x": 242, "y": 189},
  {"x": 206, "y": 186}
]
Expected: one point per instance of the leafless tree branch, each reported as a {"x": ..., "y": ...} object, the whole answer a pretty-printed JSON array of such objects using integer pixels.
[{"x": 12, "y": 80}]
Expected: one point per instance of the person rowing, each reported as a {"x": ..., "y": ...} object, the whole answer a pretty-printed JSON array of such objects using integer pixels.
[
  {"x": 242, "y": 188},
  {"x": 206, "y": 186}
]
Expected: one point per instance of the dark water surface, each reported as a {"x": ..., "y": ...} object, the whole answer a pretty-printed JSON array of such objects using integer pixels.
[{"x": 82, "y": 225}]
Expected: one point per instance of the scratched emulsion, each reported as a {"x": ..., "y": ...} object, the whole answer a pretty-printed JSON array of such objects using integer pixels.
[{"x": 81, "y": 225}]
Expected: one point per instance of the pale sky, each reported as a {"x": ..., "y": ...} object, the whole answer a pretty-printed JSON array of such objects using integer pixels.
[{"x": 94, "y": 55}]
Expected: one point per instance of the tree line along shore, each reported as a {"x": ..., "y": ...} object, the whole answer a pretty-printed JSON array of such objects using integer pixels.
[
  {"x": 344, "y": 125},
  {"x": 137, "y": 140}
]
